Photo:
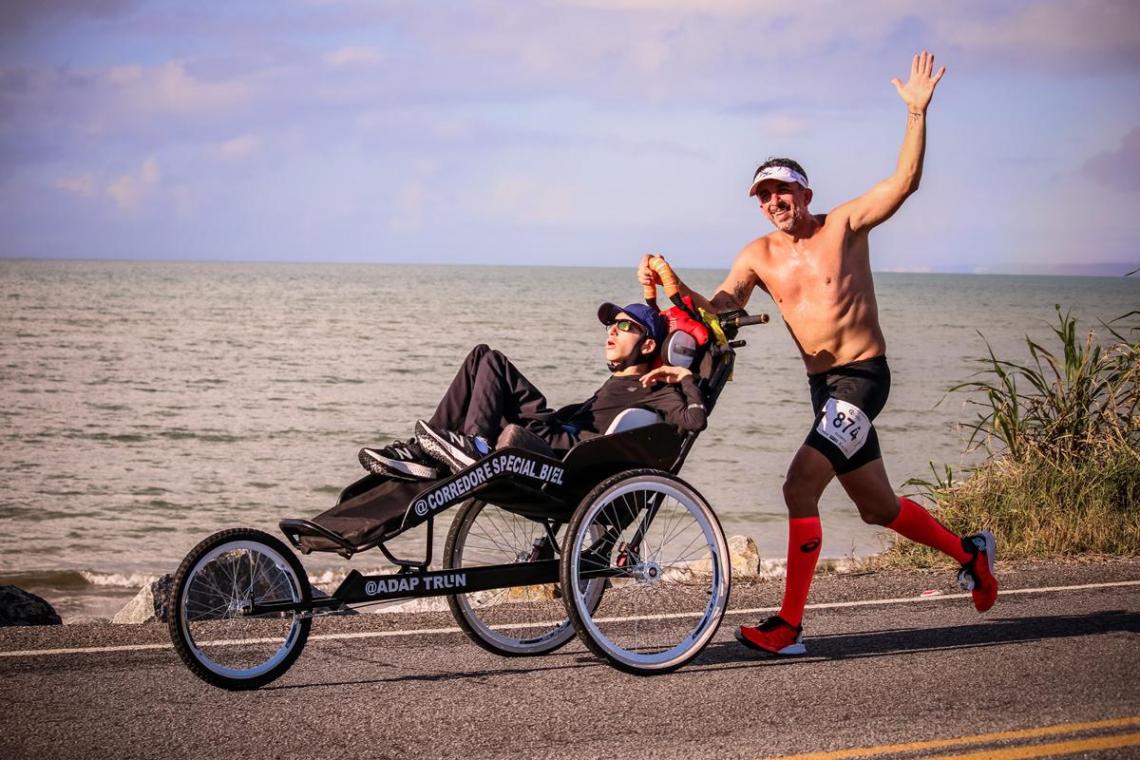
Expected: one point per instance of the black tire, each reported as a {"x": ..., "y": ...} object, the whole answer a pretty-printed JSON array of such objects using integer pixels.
[
  {"x": 219, "y": 576},
  {"x": 512, "y": 622},
  {"x": 669, "y": 576}
]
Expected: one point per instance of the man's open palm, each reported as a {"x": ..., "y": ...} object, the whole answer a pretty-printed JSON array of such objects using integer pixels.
[{"x": 918, "y": 90}]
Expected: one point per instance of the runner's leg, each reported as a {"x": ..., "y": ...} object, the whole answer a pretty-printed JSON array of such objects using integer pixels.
[
  {"x": 871, "y": 491},
  {"x": 808, "y": 476}
]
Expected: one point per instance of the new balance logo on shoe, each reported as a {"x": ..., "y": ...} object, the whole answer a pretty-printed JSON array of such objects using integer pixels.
[{"x": 456, "y": 450}]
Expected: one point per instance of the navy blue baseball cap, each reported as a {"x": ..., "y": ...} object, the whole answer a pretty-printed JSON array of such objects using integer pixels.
[{"x": 641, "y": 313}]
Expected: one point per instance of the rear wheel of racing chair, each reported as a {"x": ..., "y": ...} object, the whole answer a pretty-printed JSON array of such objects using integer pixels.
[
  {"x": 216, "y": 584},
  {"x": 661, "y": 547},
  {"x": 516, "y": 621}
]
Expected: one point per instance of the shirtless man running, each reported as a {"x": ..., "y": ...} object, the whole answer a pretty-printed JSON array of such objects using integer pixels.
[{"x": 817, "y": 270}]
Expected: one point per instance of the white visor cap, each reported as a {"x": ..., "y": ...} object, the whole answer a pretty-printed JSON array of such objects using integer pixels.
[{"x": 780, "y": 173}]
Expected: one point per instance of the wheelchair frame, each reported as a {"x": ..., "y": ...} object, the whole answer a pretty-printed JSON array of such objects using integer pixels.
[{"x": 545, "y": 490}]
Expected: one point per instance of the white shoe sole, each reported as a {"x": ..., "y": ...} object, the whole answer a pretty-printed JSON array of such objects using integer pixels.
[
  {"x": 401, "y": 469},
  {"x": 440, "y": 449},
  {"x": 790, "y": 650}
]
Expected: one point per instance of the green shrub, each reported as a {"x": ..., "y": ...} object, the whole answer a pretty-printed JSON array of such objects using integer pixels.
[{"x": 1062, "y": 438}]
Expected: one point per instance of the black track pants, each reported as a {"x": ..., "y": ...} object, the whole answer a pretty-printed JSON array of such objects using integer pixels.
[{"x": 489, "y": 393}]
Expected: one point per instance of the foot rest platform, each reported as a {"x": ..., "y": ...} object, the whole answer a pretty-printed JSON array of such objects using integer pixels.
[{"x": 298, "y": 530}]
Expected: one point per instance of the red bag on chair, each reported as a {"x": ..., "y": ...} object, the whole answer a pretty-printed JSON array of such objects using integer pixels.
[{"x": 681, "y": 320}]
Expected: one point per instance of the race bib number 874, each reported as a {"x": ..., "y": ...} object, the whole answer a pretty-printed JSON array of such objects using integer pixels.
[{"x": 845, "y": 425}]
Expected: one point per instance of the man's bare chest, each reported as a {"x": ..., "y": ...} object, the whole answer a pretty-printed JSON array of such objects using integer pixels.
[{"x": 805, "y": 276}]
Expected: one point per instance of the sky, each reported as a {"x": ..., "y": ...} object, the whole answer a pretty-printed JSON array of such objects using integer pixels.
[{"x": 561, "y": 132}]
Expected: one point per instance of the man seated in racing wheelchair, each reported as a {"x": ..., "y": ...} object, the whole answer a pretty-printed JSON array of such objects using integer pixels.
[{"x": 490, "y": 401}]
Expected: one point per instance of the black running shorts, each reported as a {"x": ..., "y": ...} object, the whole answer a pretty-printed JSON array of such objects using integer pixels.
[{"x": 846, "y": 399}]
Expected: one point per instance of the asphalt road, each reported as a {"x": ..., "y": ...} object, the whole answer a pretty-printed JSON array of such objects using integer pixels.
[{"x": 929, "y": 671}]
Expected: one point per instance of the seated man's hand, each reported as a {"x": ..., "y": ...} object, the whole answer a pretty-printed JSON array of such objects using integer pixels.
[{"x": 670, "y": 375}]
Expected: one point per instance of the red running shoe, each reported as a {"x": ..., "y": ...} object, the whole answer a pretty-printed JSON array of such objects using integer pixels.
[
  {"x": 774, "y": 636},
  {"x": 977, "y": 575}
]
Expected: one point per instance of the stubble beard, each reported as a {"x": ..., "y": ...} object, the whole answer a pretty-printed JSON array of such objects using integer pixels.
[{"x": 792, "y": 222}]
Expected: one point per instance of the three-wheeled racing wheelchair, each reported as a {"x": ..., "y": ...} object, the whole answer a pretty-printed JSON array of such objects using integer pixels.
[{"x": 607, "y": 543}]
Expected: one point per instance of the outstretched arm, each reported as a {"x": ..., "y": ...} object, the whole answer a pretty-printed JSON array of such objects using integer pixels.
[{"x": 879, "y": 203}]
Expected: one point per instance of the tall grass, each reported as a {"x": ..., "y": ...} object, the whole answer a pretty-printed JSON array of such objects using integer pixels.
[{"x": 1062, "y": 438}]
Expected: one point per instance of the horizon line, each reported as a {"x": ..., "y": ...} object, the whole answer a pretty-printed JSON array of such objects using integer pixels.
[{"x": 1127, "y": 268}]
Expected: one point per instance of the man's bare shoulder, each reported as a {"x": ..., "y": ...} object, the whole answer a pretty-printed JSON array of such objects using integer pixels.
[
  {"x": 839, "y": 218},
  {"x": 747, "y": 272},
  {"x": 756, "y": 253}
]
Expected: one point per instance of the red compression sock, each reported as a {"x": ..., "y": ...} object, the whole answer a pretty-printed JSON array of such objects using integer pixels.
[
  {"x": 917, "y": 524},
  {"x": 805, "y": 535}
]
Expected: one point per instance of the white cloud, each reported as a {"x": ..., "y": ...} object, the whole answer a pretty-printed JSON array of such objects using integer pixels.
[
  {"x": 785, "y": 126},
  {"x": 352, "y": 56},
  {"x": 238, "y": 147},
  {"x": 125, "y": 76},
  {"x": 83, "y": 185},
  {"x": 170, "y": 88},
  {"x": 596, "y": 87},
  {"x": 128, "y": 190}
]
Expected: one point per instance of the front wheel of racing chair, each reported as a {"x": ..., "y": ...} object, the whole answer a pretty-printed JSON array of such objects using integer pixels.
[
  {"x": 212, "y": 623},
  {"x": 661, "y": 547},
  {"x": 517, "y": 621}
]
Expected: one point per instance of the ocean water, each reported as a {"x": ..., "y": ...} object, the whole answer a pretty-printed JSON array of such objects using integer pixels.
[{"x": 144, "y": 405}]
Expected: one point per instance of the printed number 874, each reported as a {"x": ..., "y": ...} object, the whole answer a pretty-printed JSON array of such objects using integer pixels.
[{"x": 851, "y": 423}]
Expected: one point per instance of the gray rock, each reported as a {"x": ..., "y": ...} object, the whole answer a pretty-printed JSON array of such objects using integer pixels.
[
  {"x": 19, "y": 607},
  {"x": 744, "y": 557},
  {"x": 152, "y": 602}
]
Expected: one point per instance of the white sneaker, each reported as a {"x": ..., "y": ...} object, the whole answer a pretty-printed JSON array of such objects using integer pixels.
[
  {"x": 402, "y": 459},
  {"x": 456, "y": 450}
]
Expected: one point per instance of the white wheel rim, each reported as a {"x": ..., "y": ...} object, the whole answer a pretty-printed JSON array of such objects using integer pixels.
[
  {"x": 707, "y": 620},
  {"x": 197, "y": 648}
]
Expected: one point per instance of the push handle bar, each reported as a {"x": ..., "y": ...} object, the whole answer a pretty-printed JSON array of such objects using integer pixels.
[{"x": 737, "y": 319}]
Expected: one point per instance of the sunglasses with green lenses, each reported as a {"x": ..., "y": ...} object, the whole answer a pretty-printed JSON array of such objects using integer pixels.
[{"x": 626, "y": 325}]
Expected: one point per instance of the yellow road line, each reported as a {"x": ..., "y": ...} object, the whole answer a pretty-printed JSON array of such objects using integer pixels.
[
  {"x": 1114, "y": 741},
  {"x": 1026, "y": 733}
]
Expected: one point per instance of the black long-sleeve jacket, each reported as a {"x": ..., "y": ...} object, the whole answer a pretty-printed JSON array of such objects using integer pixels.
[{"x": 680, "y": 405}]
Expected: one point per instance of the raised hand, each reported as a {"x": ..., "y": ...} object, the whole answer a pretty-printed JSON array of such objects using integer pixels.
[{"x": 919, "y": 89}]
